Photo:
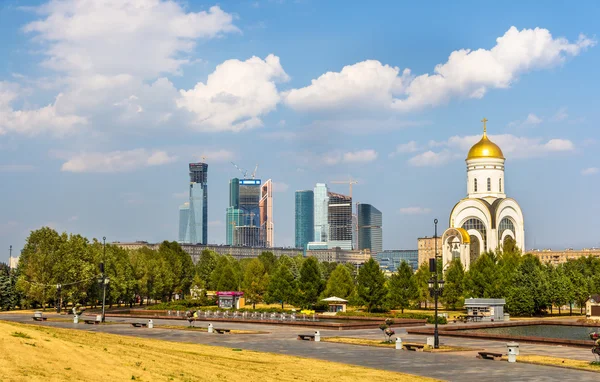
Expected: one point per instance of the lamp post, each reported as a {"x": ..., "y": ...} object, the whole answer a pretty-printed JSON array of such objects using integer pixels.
[
  {"x": 436, "y": 286},
  {"x": 103, "y": 276}
]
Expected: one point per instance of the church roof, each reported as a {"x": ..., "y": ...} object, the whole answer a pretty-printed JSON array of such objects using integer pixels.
[{"x": 485, "y": 148}]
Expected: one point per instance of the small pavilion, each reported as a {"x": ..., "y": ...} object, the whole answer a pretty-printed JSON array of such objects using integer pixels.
[{"x": 336, "y": 304}]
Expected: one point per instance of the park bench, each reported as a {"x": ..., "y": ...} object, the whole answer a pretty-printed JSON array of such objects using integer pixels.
[
  {"x": 91, "y": 322},
  {"x": 307, "y": 337},
  {"x": 139, "y": 324},
  {"x": 222, "y": 331},
  {"x": 489, "y": 355},
  {"x": 38, "y": 318},
  {"x": 413, "y": 347}
]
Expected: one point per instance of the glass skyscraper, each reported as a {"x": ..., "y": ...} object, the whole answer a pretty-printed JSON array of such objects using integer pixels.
[
  {"x": 184, "y": 221},
  {"x": 370, "y": 235},
  {"x": 305, "y": 218},
  {"x": 321, "y": 205},
  {"x": 244, "y": 214},
  {"x": 339, "y": 218},
  {"x": 198, "y": 210}
]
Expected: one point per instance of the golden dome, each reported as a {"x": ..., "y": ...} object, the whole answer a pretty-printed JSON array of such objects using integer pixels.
[{"x": 485, "y": 148}]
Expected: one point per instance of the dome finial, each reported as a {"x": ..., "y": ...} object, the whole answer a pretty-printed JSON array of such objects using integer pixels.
[{"x": 484, "y": 120}]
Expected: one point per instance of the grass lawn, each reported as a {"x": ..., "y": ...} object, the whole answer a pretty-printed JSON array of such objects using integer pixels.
[
  {"x": 378, "y": 343},
  {"x": 36, "y": 353},
  {"x": 560, "y": 362}
]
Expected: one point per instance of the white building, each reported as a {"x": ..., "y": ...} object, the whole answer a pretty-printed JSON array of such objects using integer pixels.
[{"x": 486, "y": 217}]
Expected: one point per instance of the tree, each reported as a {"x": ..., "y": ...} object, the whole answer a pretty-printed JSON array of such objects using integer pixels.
[
  {"x": 206, "y": 264},
  {"x": 422, "y": 282},
  {"x": 371, "y": 284},
  {"x": 310, "y": 284},
  {"x": 402, "y": 287},
  {"x": 268, "y": 260},
  {"x": 531, "y": 281},
  {"x": 481, "y": 281},
  {"x": 453, "y": 294},
  {"x": 256, "y": 281},
  {"x": 340, "y": 283},
  {"x": 282, "y": 285},
  {"x": 562, "y": 289},
  {"x": 326, "y": 268},
  {"x": 227, "y": 280}
]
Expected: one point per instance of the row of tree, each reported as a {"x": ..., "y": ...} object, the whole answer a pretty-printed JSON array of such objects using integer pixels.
[{"x": 59, "y": 269}]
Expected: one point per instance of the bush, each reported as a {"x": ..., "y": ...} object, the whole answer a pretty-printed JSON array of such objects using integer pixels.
[
  {"x": 417, "y": 316},
  {"x": 441, "y": 320},
  {"x": 183, "y": 304}
]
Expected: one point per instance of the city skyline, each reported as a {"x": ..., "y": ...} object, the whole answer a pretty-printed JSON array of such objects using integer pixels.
[{"x": 100, "y": 146}]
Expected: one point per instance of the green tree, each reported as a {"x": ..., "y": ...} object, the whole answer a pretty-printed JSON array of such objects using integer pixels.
[
  {"x": 256, "y": 281},
  {"x": 310, "y": 284},
  {"x": 422, "y": 277},
  {"x": 562, "y": 289},
  {"x": 206, "y": 264},
  {"x": 340, "y": 283},
  {"x": 371, "y": 284},
  {"x": 180, "y": 264},
  {"x": 531, "y": 281},
  {"x": 227, "y": 279},
  {"x": 453, "y": 295},
  {"x": 268, "y": 260},
  {"x": 282, "y": 286},
  {"x": 402, "y": 287},
  {"x": 481, "y": 281}
]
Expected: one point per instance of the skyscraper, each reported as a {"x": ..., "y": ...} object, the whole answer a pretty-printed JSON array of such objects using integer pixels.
[
  {"x": 305, "y": 217},
  {"x": 244, "y": 213},
  {"x": 266, "y": 213},
  {"x": 198, "y": 212},
  {"x": 370, "y": 235},
  {"x": 184, "y": 221},
  {"x": 321, "y": 201},
  {"x": 232, "y": 221},
  {"x": 339, "y": 219}
]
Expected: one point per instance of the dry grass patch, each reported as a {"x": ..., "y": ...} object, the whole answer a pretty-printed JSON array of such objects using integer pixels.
[
  {"x": 52, "y": 354},
  {"x": 559, "y": 362},
  {"x": 201, "y": 329},
  {"x": 377, "y": 343}
]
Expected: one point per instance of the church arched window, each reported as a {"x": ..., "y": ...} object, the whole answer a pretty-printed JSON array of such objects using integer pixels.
[
  {"x": 505, "y": 224},
  {"x": 500, "y": 184},
  {"x": 489, "y": 184},
  {"x": 475, "y": 185},
  {"x": 477, "y": 225}
]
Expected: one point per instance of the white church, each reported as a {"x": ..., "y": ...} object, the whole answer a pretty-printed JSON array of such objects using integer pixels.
[{"x": 486, "y": 217}]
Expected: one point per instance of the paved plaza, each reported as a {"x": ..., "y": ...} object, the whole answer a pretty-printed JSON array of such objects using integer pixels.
[{"x": 459, "y": 366}]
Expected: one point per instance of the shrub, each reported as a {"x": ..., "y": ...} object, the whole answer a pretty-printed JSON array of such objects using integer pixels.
[
  {"x": 418, "y": 316},
  {"x": 441, "y": 320}
]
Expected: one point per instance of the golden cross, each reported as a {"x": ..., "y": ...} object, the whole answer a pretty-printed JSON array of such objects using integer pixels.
[{"x": 484, "y": 120}]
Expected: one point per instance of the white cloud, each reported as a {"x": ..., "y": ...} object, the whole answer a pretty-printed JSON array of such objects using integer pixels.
[
  {"x": 414, "y": 210},
  {"x": 280, "y": 187},
  {"x": 512, "y": 146},
  {"x": 214, "y": 156},
  {"x": 531, "y": 120},
  {"x": 403, "y": 148},
  {"x": 590, "y": 171},
  {"x": 116, "y": 161},
  {"x": 430, "y": 158},
  {"x": 360, "y": 156},
  {"x": 560, "y": 115},
  {"x": 35, "y": 120},
  {"x": 467, "y": 73},
  {"x": 16, "y": 167},
  {"x": 235, "y": 95},
  {"x": 365, "y": 84},
  {"x": 111, "y": 37}
]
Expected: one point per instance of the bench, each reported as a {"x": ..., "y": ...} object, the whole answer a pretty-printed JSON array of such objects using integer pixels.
[
  {"x": 413, "y": 347},
  {"x": 306, "y": 337},
  {"x": 489, "y": 355},
  {"x": 139, "y": 324},
  {"x": 222, "y": 331},
  {"x": 91, "y": 322},
  {"x": 39, "y": 318}
]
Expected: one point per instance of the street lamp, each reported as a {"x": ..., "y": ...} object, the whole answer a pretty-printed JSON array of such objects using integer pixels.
[
  {"x": 104, "y": 278},
  {"x": 436, "y": 287}
]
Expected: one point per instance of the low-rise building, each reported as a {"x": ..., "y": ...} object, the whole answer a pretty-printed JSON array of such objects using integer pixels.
[
  {"x": 338, "y": 255},
  {"x": 237, "y": 252},
  {"x": 562, "y": 256},
  {"x": 390, "y": 260},
  {"x": 592, "y": 307},
  {"x": 426, "y": 247}
]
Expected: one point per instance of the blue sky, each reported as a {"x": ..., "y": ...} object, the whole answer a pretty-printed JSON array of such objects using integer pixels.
[{"x": 103, "y": 104}]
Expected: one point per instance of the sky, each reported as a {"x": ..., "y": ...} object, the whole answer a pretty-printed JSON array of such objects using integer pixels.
[{"x": 104, "y": 103}]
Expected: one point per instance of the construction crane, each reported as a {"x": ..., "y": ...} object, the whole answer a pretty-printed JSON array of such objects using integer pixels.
[
  {"x": 349, "y": 182},
  {"x": 254, "y": 172},
  {"x": 244, "y": 172}
]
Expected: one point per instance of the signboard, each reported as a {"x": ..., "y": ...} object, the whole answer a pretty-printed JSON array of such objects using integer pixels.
[{"x": 250, "y": 182}]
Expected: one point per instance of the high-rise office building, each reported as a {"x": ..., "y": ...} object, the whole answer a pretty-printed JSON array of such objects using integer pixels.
[
  {"x": 321, "y": 202},
  {"x": 266, "y": 213},
  {"x": 232, "y": 220},
  {"x": 198, "y": 223},
  {"x": 305, "y": 218},
  {"x": 244, "y": 213},
  {"x": 370, "y": 234},
  {"x": 339, "y": 211},
  {"x": 234, "y": 193},
  {"x": 184, "y": 221}
]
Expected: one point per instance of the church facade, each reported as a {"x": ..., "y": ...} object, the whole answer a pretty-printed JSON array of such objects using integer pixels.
[{"x": 486, "y": 217}]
